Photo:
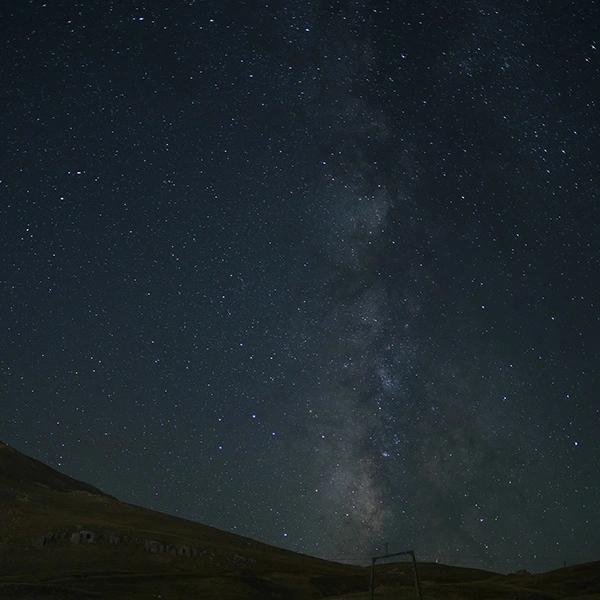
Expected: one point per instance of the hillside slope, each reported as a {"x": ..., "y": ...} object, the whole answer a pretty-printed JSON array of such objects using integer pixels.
[
  {"x": 57, "y": 531},
  {"x": 61, "y": 538}
]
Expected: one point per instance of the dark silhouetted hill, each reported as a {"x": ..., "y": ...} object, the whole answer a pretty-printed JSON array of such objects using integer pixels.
[{"x": 64, "y": 539}]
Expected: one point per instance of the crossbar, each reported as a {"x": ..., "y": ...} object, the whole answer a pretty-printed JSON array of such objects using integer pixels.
[{"x": 410, "y": 553}]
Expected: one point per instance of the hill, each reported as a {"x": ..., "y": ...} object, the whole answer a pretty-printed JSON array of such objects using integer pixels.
[{"x": 64, "y": 539}]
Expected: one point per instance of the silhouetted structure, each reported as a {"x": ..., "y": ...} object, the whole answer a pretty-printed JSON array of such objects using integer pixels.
[{"x": 410, "y": 553}]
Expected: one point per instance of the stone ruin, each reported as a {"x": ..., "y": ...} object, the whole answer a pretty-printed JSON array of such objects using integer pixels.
[
  {"x": 86, "y": 536},
  {"x": 50, "y": 539},
  {"x": 83, "y": 537},
  {"x": 156, "y": 547}
]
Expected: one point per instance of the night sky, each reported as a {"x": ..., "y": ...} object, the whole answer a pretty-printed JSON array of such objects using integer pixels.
[{"x": 324, "y": 274}]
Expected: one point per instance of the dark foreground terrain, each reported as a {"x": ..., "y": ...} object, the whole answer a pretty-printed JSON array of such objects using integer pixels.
[{"x": 64, "y": 539}]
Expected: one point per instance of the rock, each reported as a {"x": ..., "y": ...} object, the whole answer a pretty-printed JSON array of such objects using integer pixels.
[{"x": 83, "y": 537}]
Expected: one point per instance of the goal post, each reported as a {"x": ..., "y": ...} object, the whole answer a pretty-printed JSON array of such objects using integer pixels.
[{"x": 410, "y": 553}]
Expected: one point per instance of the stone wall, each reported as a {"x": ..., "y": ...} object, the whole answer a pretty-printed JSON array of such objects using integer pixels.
[{"x": 86, "y": 536}]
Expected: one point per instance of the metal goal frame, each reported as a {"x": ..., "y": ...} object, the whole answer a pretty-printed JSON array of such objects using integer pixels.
[{"x": 410, "y": 553}]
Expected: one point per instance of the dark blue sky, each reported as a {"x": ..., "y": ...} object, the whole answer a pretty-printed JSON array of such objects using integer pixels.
[{"x": 320, "y": 273}]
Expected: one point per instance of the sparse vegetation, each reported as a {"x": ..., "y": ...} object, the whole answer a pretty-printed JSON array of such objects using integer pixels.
[{"x": 39, "y": 557}]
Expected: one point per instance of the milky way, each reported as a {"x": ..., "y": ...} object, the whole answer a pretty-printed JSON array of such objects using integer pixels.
[{"x": 323, "y": 274}]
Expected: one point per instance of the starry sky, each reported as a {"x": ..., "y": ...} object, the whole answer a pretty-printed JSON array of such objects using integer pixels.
[{"x": 322, "y": 273}]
